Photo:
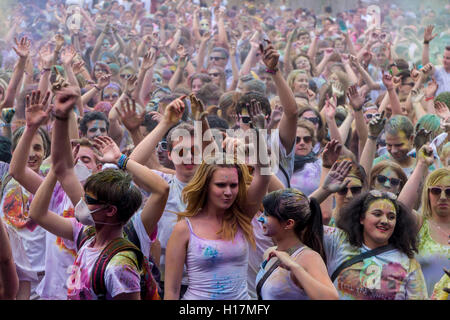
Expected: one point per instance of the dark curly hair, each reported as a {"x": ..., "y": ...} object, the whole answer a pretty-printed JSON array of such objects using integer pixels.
[
  {"x": 90, "y": 116},
  {"x": 406, "y": 229}
]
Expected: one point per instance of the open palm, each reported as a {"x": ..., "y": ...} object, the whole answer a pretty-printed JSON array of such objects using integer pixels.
[{"x": 36, "y": 112}]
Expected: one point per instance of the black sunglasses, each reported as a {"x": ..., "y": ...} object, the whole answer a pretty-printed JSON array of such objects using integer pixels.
[
  {"x": 245, "y": 119},
  {"x": 371, "y": 115},
  {"x": 90, "y": 200},
  {"x": 393, "y": 181},
  {"x": 437, "y": 191},
  {"x": 354, "y": 190},
  {"x": 214, "y": 74},
  {"x": 125, "y": 76},
  {"x": 306, "y": 139},
  {"x": 216, "y": 58},
  {"x": 314, "y": 120}
]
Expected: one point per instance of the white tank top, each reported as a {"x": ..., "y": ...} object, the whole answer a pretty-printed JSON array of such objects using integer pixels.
[
  {"x": 216, "y": 269},
  {"x": 279, "y": 285}
]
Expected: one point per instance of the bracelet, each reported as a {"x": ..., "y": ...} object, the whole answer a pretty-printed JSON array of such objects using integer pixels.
[
  {"x": 60, "y": 118},
  {"x": 426, "y": 42},
  {"x": 8, "y": 125},
  {"x": 122, "y": 162},
  {"x": 326, "y": 166},
  {"x": 429, "y": 98},
  {"x": 359, "y": 109},
  {"x": 372, "y": 137},
  {"x": 96, "y": 87},
  {"x": 272, "y": 71}
]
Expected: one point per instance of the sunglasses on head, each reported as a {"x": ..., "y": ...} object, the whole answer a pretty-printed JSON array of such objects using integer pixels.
[
  {"x": 379, "y": 194},
  {"x": 306, "y": 139},
  {"x": 314, "y": 120},
  {"x": 393, "y": 181},
  {"x": 216, "y": 58},
  {"x": 437, "y": 191},
  {"x": 354, "y": 190}
]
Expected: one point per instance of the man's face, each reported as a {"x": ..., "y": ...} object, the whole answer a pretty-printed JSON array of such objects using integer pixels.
[
  {"x": 446, "y": 60},
  {"x": 87, "y": 157},
  {"x": 96, "y": 128},
  {"x": 398, "y": 146},
  {"x": 183, "y": 156},
  {"x": 218, "y": 59}
]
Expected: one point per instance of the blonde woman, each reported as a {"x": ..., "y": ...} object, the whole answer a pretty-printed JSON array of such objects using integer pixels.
[
  {"x": 213, "y": 236},
  {"x": 433, "y": 217}
]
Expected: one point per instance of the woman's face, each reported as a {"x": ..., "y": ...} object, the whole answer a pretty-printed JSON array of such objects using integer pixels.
[
  {"x": 37, "y": 153},
  {"x": 303, "y": 144},
  {"x": 302, "y": 63},
  {"x": 196, "y": 85},
  {"x": 300, "y": 84},
  {"x": 111, "y": 95},
  {"x": 439, "y": 202},
  {"x": 270, "y": 225},
  {"x": 99, "y": 71},
  {"x": 223, "y": 188},
  {"x": 353, "y": 189},
  {"x": 339, "y": 45},
  {"x": 379, "y": 223},
  {"x": 215, "y": 75},
  {"x": 311, "y": 117},
  {"x": 124, "y": 76},
  {"x": 387, "y": 181}
]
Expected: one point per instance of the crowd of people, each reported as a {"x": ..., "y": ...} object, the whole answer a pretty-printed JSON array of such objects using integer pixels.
[{"x": 210, "y": 150}]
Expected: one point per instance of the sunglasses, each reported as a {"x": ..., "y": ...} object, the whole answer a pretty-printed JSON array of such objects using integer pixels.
[
  {"x": 109, "y": 96},
  {"x": 306, "y": 139},
  {"x": 437, "y": 191},
  {"x": 314, "y": 120},
  {"x": 163, "y": 145},
  {"x": 245, "y": 119},
  {"x": 181, "y": 151},
  {"x": 214, "y": 74},
  {"x": 372, "y": 115},
  {"x": 125, "y": 76},
  {"x": 393, "y": 181},
  {"x": 411, "y": 84},
  {"x": 354, "y": 190},
  {"x": 90, "y": 200},
  {"x": 379, "y": 194},
  {"x": 216, "y": 58}
]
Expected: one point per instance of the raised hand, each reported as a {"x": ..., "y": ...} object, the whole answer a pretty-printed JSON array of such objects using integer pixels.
[
  {"x": 129, "y": 116},
  {"x": 376, "y": 124},
  {"x": 65, "y": 100},
  {"x": 156, "y": 116},
  {"x": 422, "y": 137},
  {"x": 334, "y": 181},
  {"x": 131, "y": 84},
  {"x": 356, "y": 100},
  {"x": 442, "y": 110},
  {"x": 270, "y": 55},
  {"x": 67, "y": 55},
  {"x": 78, "y": 67},
  {"x": 428, "y": 35},
  {"x": 328, "y": 52},
  {"x": 275, "y": 117},
  {"x": 330, "y": 108},
  {"x": 108, "y": 148},
  {"x": 426, "y": 70},
  {"x": 416, "y": 95},
  {"x": 59, "y": 41},
  {"x": 425, "y": 155},
  {"x": 103, "y": 81},
  {"x": 331, "y": 153},
  {"x": 174, "y": 111},
  {"x": 387, "y": 81},
  {"x": 197, "y": 107},
  {"x": 431, "y": 88},
  {"x": 46, "y": 56},
  {"x": 257, "y": 118},
  {"x": 415, "y": 74},
  {"x": 22, "y": 48},
  {"x": 36, "y": 112},
  {"x": 149, "y": 59}
]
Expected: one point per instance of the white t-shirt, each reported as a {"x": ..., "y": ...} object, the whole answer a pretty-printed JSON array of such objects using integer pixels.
[
  {"x": 121, "y": 274},
  {"x": 442, "y": 79},
  {"x": 286, "y": 160}
]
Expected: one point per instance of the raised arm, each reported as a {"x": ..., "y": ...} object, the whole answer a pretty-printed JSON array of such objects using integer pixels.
[
  {"x": 144, "y": 177},
  {"x": 36, "y": 114},
  {"x": 364, "y": 74},
  {"x": 393, "y": 97},
  {"x": 50, "y": 221},
  {"x": 376, "y": 125},
  {"x": 357, "y": 102},
  {"x": 63, "y": 162},
  {"x": 427, "y": 37}
]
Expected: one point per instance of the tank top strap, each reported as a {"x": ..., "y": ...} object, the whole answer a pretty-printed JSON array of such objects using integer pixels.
[{"x": 189, "y": 225}]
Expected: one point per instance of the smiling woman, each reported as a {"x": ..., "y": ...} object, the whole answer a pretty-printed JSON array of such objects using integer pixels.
[{"x": 371, "y": 253}]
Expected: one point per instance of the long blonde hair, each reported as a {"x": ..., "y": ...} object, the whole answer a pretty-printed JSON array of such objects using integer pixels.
[
  {"x": 195, "y": 195},
  {"x": 432, "y": 179}
]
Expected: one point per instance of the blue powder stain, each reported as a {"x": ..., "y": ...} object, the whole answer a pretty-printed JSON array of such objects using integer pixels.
[{"x": 211, "y": 253}]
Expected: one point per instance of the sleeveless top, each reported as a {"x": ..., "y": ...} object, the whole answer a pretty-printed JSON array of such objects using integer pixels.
[
  {"x": 433, "y": 257},
  {"x": 217, "y": 269},
  {"x": 279, "y": 285}
]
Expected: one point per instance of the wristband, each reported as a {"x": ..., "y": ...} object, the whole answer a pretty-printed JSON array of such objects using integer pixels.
[
  {"x": 60, "y": 118},
  {"x": 358, "y": 109},
  {"x": 326, "y": 166},
  {"x": 426, "y": 42},
  {"x": 122, "y": 161},
  {"x": 429, "y": 98},
  {"x": 372, "y": 137},
  {"x": 272, "y": 71},
  {"x": 96, "y": 87}
]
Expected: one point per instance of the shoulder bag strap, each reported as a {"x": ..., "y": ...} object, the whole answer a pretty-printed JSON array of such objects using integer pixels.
[
  {"x": 261, "y": 281},
  {"x": 359, "y": 258}
]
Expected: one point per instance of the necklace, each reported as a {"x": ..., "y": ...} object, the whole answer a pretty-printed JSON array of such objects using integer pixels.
[{"x": 439, "y": 229}]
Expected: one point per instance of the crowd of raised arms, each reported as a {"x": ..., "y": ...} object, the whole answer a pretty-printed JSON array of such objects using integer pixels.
[{"x": 224, "y": 150}]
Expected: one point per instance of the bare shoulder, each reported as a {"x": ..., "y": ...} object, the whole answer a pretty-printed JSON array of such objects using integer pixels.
[
  {"x": 309, "y": 259},
  {"x": 181, "y": 230}
]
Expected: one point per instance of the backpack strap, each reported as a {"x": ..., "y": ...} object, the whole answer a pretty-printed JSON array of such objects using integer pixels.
[
  {"x": 275, "y": 265},
  {"x": 84, "y": 235},
  {"x": 131, "y": 234},
  {"x": 283, "y": 170},
  {"x": 98, "y": 271},
  {"x": 359, "y": 258}
]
